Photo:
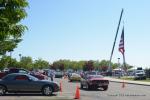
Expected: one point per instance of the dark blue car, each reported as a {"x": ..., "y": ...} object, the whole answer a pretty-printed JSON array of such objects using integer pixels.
[{"x": 18, "y": 82}]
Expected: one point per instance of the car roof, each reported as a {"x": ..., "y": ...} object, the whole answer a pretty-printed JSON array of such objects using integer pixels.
[
  {"x": 95, "y": 75},
  {"x": 15, "y": 74}
]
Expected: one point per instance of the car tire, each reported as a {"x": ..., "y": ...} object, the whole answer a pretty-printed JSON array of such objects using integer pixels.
[
  {"x": 2, "y": 90},
  {"x": 47, "y": 90},
  {"x": 88, "y": 87},
  {"x": 81, "y": 86},
  {"x": 105, "y": 88}
]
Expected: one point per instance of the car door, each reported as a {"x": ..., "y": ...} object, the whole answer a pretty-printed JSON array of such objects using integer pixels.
[
  {"x": 26, "y": 84},
  {"x": 34, "y": 84},
  {"x": 10, "y": 82},
  {"x": 22, "y": 83}
]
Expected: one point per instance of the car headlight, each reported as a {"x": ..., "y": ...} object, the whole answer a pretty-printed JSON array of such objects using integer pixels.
[
  {"x": 56, "y": 83},
  {"x": 90, "y": 82}
]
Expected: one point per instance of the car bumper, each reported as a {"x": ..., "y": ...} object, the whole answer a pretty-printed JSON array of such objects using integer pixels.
[
  {"x": 98, "y": 85},
  {"x": 56, "y": 89}
]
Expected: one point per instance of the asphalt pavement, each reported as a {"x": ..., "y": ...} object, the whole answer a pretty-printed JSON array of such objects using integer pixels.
[{"x": 114, "y": 92}]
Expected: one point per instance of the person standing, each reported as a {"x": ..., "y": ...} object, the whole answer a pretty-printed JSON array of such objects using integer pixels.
[{"x": 51, "y": 75}]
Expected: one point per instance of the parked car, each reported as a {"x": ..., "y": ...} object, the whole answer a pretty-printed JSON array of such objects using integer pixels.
[
  {"x": 18, "y": 82},
  {"x": 140, "y": 75},
  {"x": 94, "y": 82},
  {"x": 59, "y": 74},
  {"x": 74, "y": 77},
  {"x": 20, "y": 70}
]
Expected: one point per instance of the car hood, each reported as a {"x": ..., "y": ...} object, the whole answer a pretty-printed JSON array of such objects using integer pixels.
[
  {"x": 75, "y": 76},
  {"x": 48, "y": 81},
  {"x": 97, "y": 79}
]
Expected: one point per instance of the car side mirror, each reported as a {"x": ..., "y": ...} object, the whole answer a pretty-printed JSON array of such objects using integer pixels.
[
  {"x": 30, "y": 79},
  {"x": 84, "y": 77}
]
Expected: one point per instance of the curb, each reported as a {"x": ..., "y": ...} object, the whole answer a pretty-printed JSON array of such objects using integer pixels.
[
  {"x": 130, "y": 83},
  {"x": 22, "y": 98}
]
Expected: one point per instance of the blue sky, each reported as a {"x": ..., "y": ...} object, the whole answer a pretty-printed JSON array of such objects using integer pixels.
[{"x": 85, "y": 30}]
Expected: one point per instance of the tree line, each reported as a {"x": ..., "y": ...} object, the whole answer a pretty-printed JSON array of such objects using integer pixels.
[
  {"x": 29, "y": 63},
  {"x": 84, "y": 65}
]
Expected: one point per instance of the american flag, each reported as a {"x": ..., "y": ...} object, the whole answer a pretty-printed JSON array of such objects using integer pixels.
[{"x": 121, "y": 44}]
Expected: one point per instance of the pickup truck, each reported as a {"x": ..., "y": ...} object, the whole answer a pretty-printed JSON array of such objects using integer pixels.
[
  {"x": 140, "y": 75},
  {"x": 19, "y": 70}
]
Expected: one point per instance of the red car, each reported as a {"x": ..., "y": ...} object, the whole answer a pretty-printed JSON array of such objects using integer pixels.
[{"x": 94, "y": 82}]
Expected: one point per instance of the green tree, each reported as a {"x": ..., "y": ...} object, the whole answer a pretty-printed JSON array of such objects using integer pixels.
[
  {"x": 40, "y": 64},
  {"x": 96, "y": 65},
  {"x": 88, "y": 66},
  {"x": 7, "y": 61},
  {"x": 26, "y": 62},
  {"x": 81, "y": 64},
  {"x": 114, "y": 65},
  {"x": 59, "y": 65},
  {"x": 11, "y": 31}
]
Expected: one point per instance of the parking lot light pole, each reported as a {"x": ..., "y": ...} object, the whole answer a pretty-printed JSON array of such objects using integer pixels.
[
  {"x": 20, "y": 56},
  {"x": 119, "y": 67},
  {"x": 118, "y": 62}
]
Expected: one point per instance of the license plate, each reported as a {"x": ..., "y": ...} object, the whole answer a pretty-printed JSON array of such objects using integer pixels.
[{"x": 102, "y": 84}]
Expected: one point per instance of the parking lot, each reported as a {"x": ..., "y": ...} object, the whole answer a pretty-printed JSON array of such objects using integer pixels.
[{"x": 114, "y": 92}]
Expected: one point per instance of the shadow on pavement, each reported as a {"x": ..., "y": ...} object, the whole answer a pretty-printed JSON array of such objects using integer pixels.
[
  {"x": 99, "y": 89},
  {"x": 26, "y": 94}
]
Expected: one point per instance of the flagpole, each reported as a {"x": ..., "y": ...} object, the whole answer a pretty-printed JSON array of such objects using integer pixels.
[
  {"x": 124, "y": 62},
  {"x": 110, "y": 69}
]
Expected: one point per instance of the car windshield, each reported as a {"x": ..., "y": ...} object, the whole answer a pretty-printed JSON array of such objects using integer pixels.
[
  {"x": 92, "y": 73},
  {"x": 140, "y": 71},
  {"x": 33, "y": 78},
  {"x": 75, "y": 74},
  {"x": 58, "y": 72},
  {"x": 94, "y": 76}
]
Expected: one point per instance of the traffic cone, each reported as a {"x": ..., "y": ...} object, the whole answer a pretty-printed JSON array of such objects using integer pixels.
[
  {"x": 61, "y": 87},
  {"x": 77, "y": 95},
  {"x": 123, "y": 84}
]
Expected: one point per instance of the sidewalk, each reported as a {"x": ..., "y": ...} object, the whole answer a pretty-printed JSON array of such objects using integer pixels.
[{"x": 111, "y": 79}]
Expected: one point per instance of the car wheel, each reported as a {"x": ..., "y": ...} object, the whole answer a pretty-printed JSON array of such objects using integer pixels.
[
  {"x": 2, "y": 90},
  {"x": 88, "y": 87},
  {"x": 47, "y": 90},
  {"x": 105, "y": 88},
  {"x": 81, "y": 86}
]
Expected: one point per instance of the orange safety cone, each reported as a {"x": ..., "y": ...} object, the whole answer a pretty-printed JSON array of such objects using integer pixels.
[
  {"x": 123, "y": 84},
  {"x": 61, "y": 86},
  {"x": 77, "y": 95}
]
